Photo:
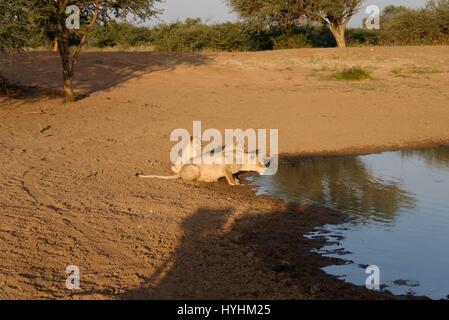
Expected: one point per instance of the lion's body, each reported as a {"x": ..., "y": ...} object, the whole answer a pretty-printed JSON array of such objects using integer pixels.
[{"x": 217, "y": 169}]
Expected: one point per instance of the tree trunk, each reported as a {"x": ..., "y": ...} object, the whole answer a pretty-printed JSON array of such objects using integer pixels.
[
  {"x": 55, "y": 45},
  {"x": 339, "y": 34},
  {"x": 67, "y": 67},
  {"x": 63, "y": 45},
  {"x": 68, "y": 90}
]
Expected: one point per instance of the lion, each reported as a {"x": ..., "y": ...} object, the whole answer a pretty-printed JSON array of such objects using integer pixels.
[{"x": 216, "y": 169}]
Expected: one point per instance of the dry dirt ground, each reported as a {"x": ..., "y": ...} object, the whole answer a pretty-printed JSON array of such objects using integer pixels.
[{"x": 68, "y": 194}]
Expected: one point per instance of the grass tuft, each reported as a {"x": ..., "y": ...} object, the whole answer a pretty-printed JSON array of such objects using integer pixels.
[
  {"x": 350, "y": 74},
  {"x": 407, "y": 70}
]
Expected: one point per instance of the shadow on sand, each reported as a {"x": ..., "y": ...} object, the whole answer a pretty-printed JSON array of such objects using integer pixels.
[
  {"x": 41, "y": 74},
  {"x": 224, "y": 255}
]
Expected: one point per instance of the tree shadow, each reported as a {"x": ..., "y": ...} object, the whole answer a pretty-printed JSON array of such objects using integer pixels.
[
  {"x": 254, "y": 255},
  {"x": 40, "y": 73}
]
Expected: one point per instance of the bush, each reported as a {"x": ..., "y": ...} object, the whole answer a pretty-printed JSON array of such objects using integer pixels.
[
  {"x": 399, "y": 26},
  {"x": 291, "y": 41},
  {"x": 362, "y": 37},
  {"x": 181, "y": 36},
  {"x": 192, "y": 35},
  {"x": 320, "y": 37},
  {"x": 426, "y": 26},
  {"x": 120, "y": 34},
  {"x": 237, "y": 37}
]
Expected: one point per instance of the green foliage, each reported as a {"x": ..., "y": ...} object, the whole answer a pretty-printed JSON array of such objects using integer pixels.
[
  {"x": 13, "y": 30},
  {"x": 188, "y": 36},
  {"x": 285, "y": 14},
  {"x": 362, "y": 37},
  {"x": 119, "y": 34},
  {"x": 320, "y": 37},
  {"x": 273, "y": 14},
  {"x": 350, "y": 74},
  {"x": 291, "y": 41},
  {"x": 192, "y": 35},
  {"x": 49, "y": 16},
  {"x": 236, "y": 37},
  {"x": 13, "y": 25},
  {"x": 399, "y": 26},
  {"x": 331, "y": 12},
  {"x": 425, "y": 26}
]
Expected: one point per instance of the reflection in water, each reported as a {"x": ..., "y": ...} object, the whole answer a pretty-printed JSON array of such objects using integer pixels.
[
  {"x": 399, "y": 205},
  {"x": 436, "y": 157},
  {"x": 340, "y": 183}
]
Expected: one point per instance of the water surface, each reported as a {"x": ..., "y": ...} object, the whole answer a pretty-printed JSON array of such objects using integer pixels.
[{"x": 399, "y": 205}]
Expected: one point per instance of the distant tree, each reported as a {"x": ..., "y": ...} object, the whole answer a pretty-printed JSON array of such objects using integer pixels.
[
  {"x": 335, "y": 14},
  {"x": 51, "y": 17}
]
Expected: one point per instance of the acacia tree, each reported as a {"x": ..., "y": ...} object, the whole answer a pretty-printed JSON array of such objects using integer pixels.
[
  {"x": 53, "y": 19},
  {"x": 335, "y": 14}
]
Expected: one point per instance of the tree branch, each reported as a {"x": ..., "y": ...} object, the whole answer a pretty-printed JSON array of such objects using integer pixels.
[{"x": 86, "y": 34}]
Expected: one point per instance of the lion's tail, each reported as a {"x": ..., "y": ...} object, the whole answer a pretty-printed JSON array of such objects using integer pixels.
[{"x": 141, "y": 175}]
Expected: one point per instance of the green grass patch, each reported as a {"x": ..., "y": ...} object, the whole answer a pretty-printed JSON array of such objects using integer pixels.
[{"x": 350, "y": 74}]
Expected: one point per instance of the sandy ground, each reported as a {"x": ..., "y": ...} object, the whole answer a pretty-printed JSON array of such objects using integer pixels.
[{"x": 68, "y": 195}]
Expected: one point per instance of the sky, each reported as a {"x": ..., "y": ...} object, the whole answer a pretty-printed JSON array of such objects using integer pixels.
[{"x": 218, "y": 11}]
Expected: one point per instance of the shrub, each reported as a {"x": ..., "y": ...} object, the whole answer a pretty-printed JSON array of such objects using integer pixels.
[
  {"x": 426, "y": 26},
  {"x": 320, "y": 36},
  {"x": 399, "y": 26},
  {"x": 120, "y": 34},
  {"x": 291, "y": 41},
  {"x": 362, "y": 37},
  {"x": 193, "y": 35}
]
